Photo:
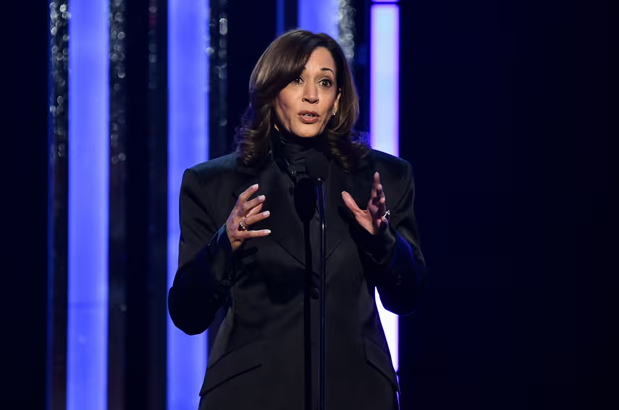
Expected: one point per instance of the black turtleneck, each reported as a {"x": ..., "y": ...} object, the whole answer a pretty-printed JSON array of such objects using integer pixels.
[
  {"x": 291, "y": 153},
  {"x": 295, "y": 150}
]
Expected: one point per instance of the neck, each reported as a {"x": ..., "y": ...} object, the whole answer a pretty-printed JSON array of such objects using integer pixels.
[
  {"x": 294, "y": 148},
  {"x": 289, "y": 137}
]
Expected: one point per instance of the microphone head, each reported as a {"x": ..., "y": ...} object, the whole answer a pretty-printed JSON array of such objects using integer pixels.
[{"x": 317, "y": 166}]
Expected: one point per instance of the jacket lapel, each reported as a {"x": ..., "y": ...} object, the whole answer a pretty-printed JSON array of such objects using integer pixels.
[
  {"x": 358, "y": 185},
  {"x": 286, "y": 227}
]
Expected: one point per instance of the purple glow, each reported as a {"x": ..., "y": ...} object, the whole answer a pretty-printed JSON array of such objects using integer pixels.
[
  {"x": 384, "y": 113},
  {"x": 319, "y": 16},
  {"x": 187, "y": 146},
  {"x": 88, "y": 205}
]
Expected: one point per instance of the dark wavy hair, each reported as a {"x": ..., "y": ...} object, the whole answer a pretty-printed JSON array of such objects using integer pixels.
[{"x": 282, "y": 62}]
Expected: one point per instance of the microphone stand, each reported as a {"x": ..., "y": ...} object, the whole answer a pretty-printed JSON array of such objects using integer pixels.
[{"x": 322, "y": 353}]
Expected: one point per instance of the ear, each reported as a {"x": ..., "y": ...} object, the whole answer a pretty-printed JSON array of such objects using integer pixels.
[{"x": 336, "y": 104}]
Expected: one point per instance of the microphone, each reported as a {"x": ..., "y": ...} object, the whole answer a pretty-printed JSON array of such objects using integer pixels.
[
  {"x": 317, "y": 168},
  {"x": 306, "y": 191}
]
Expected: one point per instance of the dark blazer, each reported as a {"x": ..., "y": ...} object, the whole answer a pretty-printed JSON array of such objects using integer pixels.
[{"x": 259, "y": 359}]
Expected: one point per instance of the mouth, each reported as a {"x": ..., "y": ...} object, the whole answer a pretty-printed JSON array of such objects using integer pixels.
[{"x": 309, "y": 117}]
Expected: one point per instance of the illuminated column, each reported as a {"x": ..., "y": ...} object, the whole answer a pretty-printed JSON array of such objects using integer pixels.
[
  {"x": 384, "y": 109},
  {"x": 88, "y": 205},
  {"x": 319, "y": 16},
  {"x": 187, "y": 146}
]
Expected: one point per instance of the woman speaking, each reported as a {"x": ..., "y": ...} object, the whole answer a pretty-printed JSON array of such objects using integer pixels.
[{"x": 250, "y": 239}]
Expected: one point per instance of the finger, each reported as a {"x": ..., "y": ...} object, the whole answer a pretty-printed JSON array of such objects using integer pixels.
[
  {"x": 350, "y": 202},
  {"x": 379, "y": 194},
  {"x": 250, "y": 220},
  {"x": 247, "y": 193},
  {"x": 253, "y": 234},
  {"x": 254, "y": 210},
  {"x": 384, "y": 222},
  {"x": 378, "y": 209},
  {"x": 379, "y": 190},
  {"x": 382, "y": 206},
  {"x": 379, "y": 205},
  {"x": 377, "y": 185},
  {"x": 374, "y": 186},
  {"x": 247, "y": 206}
]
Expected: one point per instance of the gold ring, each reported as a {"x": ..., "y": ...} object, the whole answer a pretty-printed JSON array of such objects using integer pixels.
[
  {"x": 387, "y": 214},
  {"x": 242, "y": 226}
]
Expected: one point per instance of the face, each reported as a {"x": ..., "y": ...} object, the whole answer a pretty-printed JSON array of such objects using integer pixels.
[{"x": 305, "y": 105}]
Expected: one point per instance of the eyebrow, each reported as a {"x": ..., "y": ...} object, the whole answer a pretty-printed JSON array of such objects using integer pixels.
[{"x": 327, "y": 69}]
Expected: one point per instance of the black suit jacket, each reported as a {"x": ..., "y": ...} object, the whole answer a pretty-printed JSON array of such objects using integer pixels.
[{"x": 259, "y": 359}]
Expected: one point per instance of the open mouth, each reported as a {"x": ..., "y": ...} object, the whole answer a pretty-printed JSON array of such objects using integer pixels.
[{"x": 309, "y": 117}]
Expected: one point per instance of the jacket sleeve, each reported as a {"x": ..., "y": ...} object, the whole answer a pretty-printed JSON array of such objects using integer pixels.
[
  {"x": 205, "y": 263},
  {"x": 395, "y": 255}
]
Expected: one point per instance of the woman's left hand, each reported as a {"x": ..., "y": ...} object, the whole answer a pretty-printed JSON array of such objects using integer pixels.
[{"x": 374, "y": 218}]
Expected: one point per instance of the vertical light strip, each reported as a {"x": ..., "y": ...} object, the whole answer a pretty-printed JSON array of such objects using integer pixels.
[
  {"x": 319, "y": 16},
  {"x": 187, "y": 145},
  {"x": 385, "y": 77},
  {"x": 384, "y": 111},
  {"x": 88, "y": 205}
]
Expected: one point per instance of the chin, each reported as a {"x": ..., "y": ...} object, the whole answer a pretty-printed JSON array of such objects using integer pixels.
[
  {"x": 306, "y": 132},
  {"x": 307, "y": 135}
]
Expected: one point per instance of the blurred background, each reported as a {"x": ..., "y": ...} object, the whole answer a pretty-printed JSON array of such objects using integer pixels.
[{"x": 502, "y": 107}]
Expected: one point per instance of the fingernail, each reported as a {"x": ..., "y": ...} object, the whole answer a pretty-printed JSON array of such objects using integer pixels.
[
  {"x": 266, "y": 213},
  {"x": 261, "y": 198},
  {"x": 254, "y": 186},
  {"x": 268, "y": 231}
]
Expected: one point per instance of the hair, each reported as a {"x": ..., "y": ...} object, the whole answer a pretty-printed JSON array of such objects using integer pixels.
[{"x": 282, "y": 62}]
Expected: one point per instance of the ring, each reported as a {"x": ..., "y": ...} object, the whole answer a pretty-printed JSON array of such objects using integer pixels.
[
  {"x": 242, "y": 226},
  {"x": 387, "y": 214}
]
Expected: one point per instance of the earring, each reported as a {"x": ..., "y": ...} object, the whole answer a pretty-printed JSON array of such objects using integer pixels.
[{"x": 333, "y": 112}]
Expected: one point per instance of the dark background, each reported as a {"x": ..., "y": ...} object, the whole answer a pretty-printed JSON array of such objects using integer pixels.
[{"x": 505, "y": 117}]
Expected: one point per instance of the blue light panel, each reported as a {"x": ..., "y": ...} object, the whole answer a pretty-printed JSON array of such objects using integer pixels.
[
  {"x": 384, "y": 112},
  {"x": 187, "y": 145},
  {"x": 319, "y": 16},
  {"x": 88, "y": 205}
]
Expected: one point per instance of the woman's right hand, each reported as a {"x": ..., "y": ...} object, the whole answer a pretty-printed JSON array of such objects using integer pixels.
[{"x": 244, "y": 214}]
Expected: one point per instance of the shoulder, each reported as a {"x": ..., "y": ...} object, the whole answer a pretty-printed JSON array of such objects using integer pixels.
[
  {"x": 390, "y": 165},
  {"x": 214, "y": 168},
  {"x": 218, "y": 173},
  {"x": 396, "y": 175}
]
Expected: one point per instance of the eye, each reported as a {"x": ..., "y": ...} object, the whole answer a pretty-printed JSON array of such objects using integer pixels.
[
  {"x": 297, "y": 80},
  {"x": 326, "y": 82}
]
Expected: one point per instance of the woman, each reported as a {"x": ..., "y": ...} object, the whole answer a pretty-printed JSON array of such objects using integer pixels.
[{"x": 246, "y": 243}]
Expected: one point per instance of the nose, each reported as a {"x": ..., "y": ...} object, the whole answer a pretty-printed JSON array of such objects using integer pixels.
[{"x": 310, "y": 93}]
